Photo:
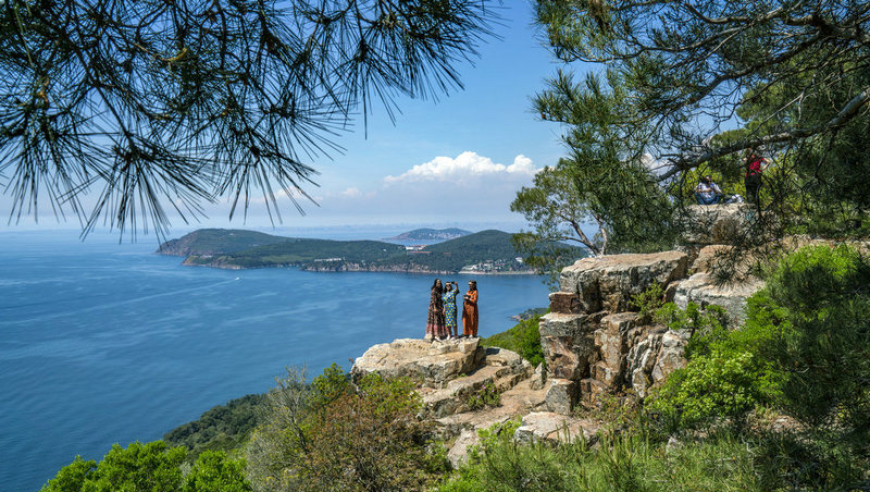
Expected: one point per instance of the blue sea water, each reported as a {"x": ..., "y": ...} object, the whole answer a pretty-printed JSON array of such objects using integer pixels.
[{"x": 102, "y": 343}]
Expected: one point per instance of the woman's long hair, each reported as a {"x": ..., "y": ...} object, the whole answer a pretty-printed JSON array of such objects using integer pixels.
[{"x": 436, "y": 287}]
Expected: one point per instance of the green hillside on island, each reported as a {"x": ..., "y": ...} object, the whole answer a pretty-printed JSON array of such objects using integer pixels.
[
  {"x": 430, "y": 234},
  {"x": 486, "y": 252}
]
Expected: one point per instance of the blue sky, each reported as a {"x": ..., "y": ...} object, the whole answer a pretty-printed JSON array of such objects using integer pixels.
[{"x": 458, "y": 161}]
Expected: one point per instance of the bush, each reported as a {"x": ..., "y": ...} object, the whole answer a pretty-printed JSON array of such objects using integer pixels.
[
  {"x": 620, "y": 463},
  {"x": 334, "y": 435},
  {"x": 820, "y": 308},
  {"x": 524, "y": 339},
  {"x": 150, "y": 467},
  {"x": 723, "y": 378}
]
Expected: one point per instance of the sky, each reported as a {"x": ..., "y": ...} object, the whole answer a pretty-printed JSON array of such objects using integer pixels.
[{"x": 457, "y": 161}]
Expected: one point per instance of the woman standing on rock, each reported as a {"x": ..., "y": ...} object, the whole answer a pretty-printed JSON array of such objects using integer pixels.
[
  {"x": 469, "y": 311},
  {"x": 449, "y": 298},
  {"x": 435, "y": 327}
]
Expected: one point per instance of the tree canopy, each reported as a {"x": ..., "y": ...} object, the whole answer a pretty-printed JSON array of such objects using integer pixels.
[
  {"x": 155, "y": 105},
  {"x": 688, "y": 87}
]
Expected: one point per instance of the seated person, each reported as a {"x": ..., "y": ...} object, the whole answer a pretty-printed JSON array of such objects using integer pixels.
[{"x": 707, "y": 192}]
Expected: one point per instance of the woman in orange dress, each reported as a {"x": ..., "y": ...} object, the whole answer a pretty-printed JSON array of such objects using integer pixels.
[{"x": 469, "y": 311}]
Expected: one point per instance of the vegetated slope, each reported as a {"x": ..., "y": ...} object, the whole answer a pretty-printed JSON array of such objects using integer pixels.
[
  {"x": 217, "y": 242},
  {"x": 300, "y": 252},
  {"x": 222, "y": 428},
  {"x": 487, "y": 251},
  {"x": 430, "y": 234}
]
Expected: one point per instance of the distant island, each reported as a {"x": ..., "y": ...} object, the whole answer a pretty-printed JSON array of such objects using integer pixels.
[
  {"x": 430, "y": 235},
  {"x": 486, "y": 252}
]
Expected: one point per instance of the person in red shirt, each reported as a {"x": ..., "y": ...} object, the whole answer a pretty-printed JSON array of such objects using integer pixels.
[{"x": 755, "y": 166}]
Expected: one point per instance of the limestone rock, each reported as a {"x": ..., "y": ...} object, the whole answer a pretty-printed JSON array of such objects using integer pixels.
[
  {"x": 670, "y": 356},
  {"x": 702, "y": 289},
  {"x": 716, "y": 224},
  {"x": 539, "y": 378},
  {"x": 561, "y": 395},
  {"x": 515, "y": 402},
  {"x": 565, "y": 303},
  {"x": 429, "y": 364},
  {"x": 457, "y": 455},
  {"x": 567, "y": 341},
  {"x": 555, "y": 428},
  {"x": 609, "y": 282}
]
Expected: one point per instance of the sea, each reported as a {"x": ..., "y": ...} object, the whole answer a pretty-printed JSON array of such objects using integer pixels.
[{"x": 104, "y": 343}]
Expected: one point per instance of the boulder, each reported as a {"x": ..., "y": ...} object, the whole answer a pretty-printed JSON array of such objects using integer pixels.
[
  {"x": 716, "y": 224},
  {"x": 565, "y": 303},
  {"x": 561, "y": 395},
  {"x": 609, "y": 282},
  {"x": 555, "y": 428},
  {"x": 457, "y": 455},
  {"x": 703, "y": 289},
  {"x": 430, "y": 364}
]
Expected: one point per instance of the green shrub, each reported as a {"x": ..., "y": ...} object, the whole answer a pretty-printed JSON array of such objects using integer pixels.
[
  {"x": 819, "y": 305},
  {"x": 524, "y": 339},
  {"x": 621, "y": 463},
  {"x": 649, "y": 301},
  {"x": 486, "y": 396},
  {"x": 151, "y": 467},
  {"x": 222, "y": 428},
  {"x": 724, "y": 378},
  {"x": 335, "y": 435},
  {"x": 704, "y": 325}
]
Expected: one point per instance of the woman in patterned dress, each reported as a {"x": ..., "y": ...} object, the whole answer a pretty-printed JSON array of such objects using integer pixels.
[
  {"x": 449, "y": 299},
  {"x": 435, "y": 328}
]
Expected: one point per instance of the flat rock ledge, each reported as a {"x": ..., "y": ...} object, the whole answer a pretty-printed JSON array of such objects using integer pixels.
[{"x": 430, "y": 364}]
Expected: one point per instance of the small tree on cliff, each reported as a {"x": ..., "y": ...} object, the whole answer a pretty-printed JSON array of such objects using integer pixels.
[
  {"x": 792, "y": 77},
  {"x": 335, "y": 435}
]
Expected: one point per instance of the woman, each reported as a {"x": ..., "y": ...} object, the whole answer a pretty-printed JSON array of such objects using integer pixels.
[
  {"x": 449, "y": 299},
  {"x": 469, "y": 311},
  {"x": 435, "y": 323}
]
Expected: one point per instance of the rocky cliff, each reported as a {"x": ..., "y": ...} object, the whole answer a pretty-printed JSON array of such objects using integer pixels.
[{"x": 594, "y": 343}]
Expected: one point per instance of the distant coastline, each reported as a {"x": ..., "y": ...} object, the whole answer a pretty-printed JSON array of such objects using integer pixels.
[{"x": 488, "y": 252}]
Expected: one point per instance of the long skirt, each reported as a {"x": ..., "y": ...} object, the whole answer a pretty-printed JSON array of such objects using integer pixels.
[
  {"x": 435, "y": 323},
  {"x": 469, "y": 320}
]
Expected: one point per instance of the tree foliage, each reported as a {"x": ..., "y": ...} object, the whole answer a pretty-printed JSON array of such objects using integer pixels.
[
  {"x": 147, "y": 103},
  {"x": 336, "y": 435},
  {"x": 680, "y": 87},
  {"x": 151, "y": 467}
]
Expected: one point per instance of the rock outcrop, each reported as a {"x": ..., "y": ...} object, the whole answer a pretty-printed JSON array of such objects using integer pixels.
[
  {"x": 453, "y": 375},
  {"x": 432, "y": 365},
  {"x": 716, "y": 224},
  {"x": 595, "y": 344}
]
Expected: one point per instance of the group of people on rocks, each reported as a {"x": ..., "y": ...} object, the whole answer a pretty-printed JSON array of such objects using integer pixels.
[
  {"x": 708, "y": 193},
  {"x": 441, "y": 323}
]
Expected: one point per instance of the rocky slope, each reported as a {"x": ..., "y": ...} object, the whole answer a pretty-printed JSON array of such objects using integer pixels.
[{"x": 594, "y": 343}]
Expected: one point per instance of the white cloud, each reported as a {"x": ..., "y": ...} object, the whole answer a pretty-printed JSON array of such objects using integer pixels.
[
  {"x": 352, "y": 192},
  {"x": 465, "y": 165}
]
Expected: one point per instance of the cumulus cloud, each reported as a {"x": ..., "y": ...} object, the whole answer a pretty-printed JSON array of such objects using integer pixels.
[
  {"x": 351, "y": 192},
  {"x": 465, "y": 165}
]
